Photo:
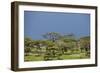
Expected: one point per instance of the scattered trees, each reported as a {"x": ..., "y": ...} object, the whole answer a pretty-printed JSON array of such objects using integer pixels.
[
  {"x": 85, "y": 45},
  {"x": 55, "y": 45},
  {"x": 28, "y": 45}
]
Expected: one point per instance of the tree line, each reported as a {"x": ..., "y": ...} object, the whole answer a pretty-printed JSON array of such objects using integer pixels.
[{"x": 54, "y": 45}]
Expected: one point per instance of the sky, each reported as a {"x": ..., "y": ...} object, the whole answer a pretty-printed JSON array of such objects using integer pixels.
[{"x": 37, "y": 23}]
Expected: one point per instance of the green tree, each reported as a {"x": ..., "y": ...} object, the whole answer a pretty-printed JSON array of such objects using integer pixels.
[
  {"x": 69, "y": 42},
  {"x": 52, "y": 52},
  {"x": 38, "y": 45},
  {"x": 85, "y": 43},
  {"x": 27, "y": 45},
  {"x": 53, "y": 36}
]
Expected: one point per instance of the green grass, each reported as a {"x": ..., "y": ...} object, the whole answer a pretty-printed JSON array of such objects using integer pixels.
[
  {"x": 67, "y": 56},
  {"x": 41, "y": 57},
  {"x": 33, "y": 58},
  {"x": 74, "y": 56}
]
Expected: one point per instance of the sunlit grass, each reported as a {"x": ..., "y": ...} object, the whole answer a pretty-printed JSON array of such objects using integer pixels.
[{"x": 63, "y": 57}]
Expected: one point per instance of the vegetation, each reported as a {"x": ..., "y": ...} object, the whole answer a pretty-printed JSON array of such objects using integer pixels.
[{"x": 55, "y": 46}]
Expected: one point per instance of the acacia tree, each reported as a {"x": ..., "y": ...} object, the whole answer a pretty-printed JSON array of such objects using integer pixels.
[
  {"x": 53, "y": 36},
  {"x": 52, "y": 50},
  {"x": 38, "y": 45},
  {"x": 28, "y": 45},
  {"x": 85, "y": 43},
  {"x": 69, "y": 43}
]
